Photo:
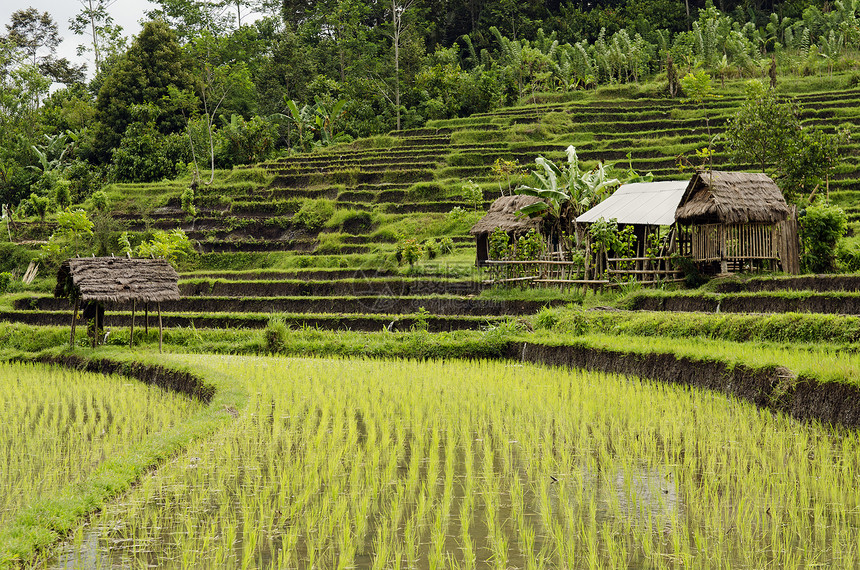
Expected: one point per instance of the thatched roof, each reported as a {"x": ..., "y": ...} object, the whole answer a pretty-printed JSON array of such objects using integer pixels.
[
  {"x": 731, "y": 198},
  {"x": 503, "y": 214},
  {"x": 118, "y": 279}
]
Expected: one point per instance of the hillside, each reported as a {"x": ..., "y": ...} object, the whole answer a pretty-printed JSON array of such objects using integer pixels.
[{"x": 313, "y": 235}]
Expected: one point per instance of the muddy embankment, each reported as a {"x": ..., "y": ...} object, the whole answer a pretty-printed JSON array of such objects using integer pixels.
[
  {"x": 333, "y": 323},
  {"x": 818, "y": 283},
  {"x": 823, "y": 303},
  {"x": 358, "y": 288},
  {"x": 165, "y": 378},
  {"x": 775, "y": 388},
  {"x": 320, "y": 305}
]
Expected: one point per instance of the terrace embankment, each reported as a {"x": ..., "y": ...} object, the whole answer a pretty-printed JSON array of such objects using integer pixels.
[
  {"x": 165, "y": 378},
  {"x": 775, "y": 388},
  {"x": 817, "y": 283},
  {"x": 836, "y": 302},
  {"x": 351, "y": 305},
  {"x": 330, "y": 322}
]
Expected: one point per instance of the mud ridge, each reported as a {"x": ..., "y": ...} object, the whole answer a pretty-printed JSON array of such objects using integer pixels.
[
  {"x": 165, "y": 378},
  {"x": 775, "y": 388}
]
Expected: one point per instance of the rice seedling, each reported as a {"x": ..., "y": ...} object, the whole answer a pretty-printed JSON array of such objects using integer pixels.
[
  {"x": 58, "y": 425},
  {"x": 365, "y": 463}
]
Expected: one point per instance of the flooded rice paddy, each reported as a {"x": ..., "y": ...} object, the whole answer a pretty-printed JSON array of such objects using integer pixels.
[{"x": 373, "y": 464}]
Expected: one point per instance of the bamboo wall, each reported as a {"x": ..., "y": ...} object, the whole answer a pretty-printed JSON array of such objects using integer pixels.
[{"x": 746, "y": 242}]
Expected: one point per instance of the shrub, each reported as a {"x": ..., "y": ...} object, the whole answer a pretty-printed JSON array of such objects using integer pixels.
[
  {"x": 39, "y": 205},
  {"x": 187, "y": 200},
  {"x": 820, "y": 230},
  {"x": 100, "y": 200},
  {"x": 407, "y": 250},
  {"x": 848, "y": 254},
  {"x": 431, "y": 248},
  {"x": 5, "y": 280},
  {"x": 473, "y": 195},
  {"x": 61, "y": 193},
  {"x": 446, "y": 245},
  {"x": 499, "y": 240},
  {"x": 172, "y": 246},
  {"x": 314, "y": 214}
]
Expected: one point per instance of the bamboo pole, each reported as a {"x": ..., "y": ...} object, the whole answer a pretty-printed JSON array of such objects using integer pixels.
[
  {"x": 74, "y": 322},
  {"x": 96, "y": 325},
  {"x": 160, "y": 330},
  {"x": 131, "y": 333}
]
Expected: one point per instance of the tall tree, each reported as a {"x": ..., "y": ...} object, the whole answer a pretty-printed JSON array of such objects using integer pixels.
[
  {"x": 399, "y": 23},
  {"x": 105, "y": 37},
  {"x": 153, "y": 63},
  {"x": 32, "y": 31}
]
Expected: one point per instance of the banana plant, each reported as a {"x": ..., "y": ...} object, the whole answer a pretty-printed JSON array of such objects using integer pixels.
[
  {"x": 565, "y": 193},
  {"x": 324, "y": 120},
  {"x": 303, "y": 118}
]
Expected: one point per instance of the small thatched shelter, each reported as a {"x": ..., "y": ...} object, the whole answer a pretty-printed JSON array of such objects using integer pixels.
[
  {"x": 117, "y": 280},
  {"x": 733, "y": 220},
  {"x": 503, "y": 214}
]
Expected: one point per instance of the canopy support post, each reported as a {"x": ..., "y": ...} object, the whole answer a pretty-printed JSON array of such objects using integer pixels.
[
  {"x": 96, "y": 325},
  {"x": 74, "y": 322},
  {"x": 160, "y": 330},
  {"x": 131, "y": 333}
]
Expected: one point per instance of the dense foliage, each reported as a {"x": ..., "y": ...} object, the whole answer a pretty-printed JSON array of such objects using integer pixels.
[{"x": 215, "y": 84}]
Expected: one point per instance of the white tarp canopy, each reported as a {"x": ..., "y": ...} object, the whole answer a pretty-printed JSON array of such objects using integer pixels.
[{"x": 646, "y": 203}]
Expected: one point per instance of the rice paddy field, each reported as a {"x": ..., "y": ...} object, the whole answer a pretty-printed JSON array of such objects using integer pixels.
[
  {"x": 59, "y": 425},
  {"x": 362, "y": 463}
]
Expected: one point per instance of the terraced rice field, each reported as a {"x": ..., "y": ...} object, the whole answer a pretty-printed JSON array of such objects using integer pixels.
[
  {"x": 59, "y": 425},
  {"x": 378, "y": 464}
]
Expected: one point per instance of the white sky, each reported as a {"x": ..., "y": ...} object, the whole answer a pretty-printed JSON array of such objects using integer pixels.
[{"x": 126, "y": 13}]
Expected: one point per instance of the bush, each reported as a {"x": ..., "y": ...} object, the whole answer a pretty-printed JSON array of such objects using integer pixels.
[
  {"x": 187, "y": 201},
  {"x": 407, "y": 250},
  {"x": 61, "y": 193},
  {"x": 446, "y": 245},
  {"x": 5, "y": 280},
  {"x": 431, "y": 248},
  {"x": 821, "y": 227},
  {"x": 473, "y": 195},
  {"x": 848, "y": 254},
  {"x": 99, "y": 200},
  {"x": 172, "y": 246},
  {"x": 314, "y": 214}
]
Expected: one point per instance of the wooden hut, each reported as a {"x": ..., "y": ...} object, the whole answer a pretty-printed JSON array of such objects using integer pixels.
[
  {"x": 732, "y": 221},
  {"x": 650, "y": 208},
  {"x": 117, "y": 280},
  {"x": 503, "y": 214}
]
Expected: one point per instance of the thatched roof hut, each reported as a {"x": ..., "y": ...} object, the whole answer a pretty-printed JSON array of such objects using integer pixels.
[
  {"x": 715, "y": 196},
  {"x": 503, "y": 214},
  {"x": 118, "y": 280},
  {"x": 735, "y": 221}
]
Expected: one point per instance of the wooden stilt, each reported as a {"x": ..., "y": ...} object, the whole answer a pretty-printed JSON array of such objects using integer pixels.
[
  {"x": 74, "y": 322},
  {"x": 131, "y": 333},
  {"x": 96, "y": 325},
  {"x": 160, "y": 331}
]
